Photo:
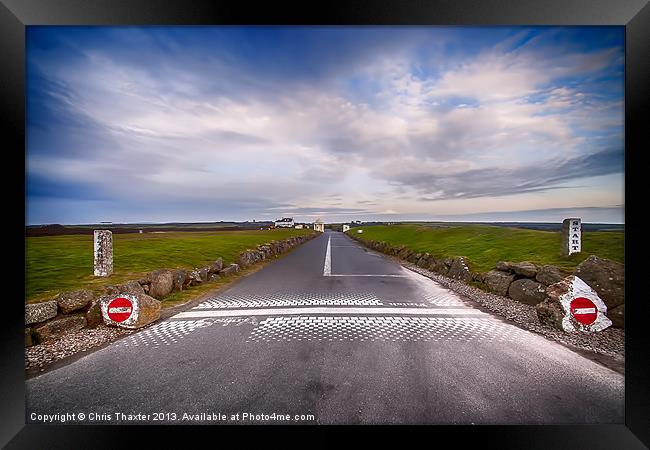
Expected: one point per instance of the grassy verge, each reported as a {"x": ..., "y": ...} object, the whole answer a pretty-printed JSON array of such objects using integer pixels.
[
  {"x": 57, "y": 263},
  {"x": 485, "y": 245}
]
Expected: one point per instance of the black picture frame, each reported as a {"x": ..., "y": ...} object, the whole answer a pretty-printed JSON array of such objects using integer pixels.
[{"x": 15, "y": 15}]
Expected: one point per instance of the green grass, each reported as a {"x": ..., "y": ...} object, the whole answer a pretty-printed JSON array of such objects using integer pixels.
[
  {"x": 485, "y": 245},
  {"x": 59, "y": 263}
]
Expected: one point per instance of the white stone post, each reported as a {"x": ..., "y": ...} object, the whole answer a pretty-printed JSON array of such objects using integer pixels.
[
  {"x": 571, "y": 236},
  {"x": 103, "y": 251}
]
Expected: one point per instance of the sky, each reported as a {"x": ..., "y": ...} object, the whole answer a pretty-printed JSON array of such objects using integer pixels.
[{"x": 201, "y": 124}]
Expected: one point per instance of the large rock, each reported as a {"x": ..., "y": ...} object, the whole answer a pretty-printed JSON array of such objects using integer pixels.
[
  {"x": 424, "y": 261},
  {"x": 556, "y": 309},
  {"x": 617, "y": 316},
  {"x": 549, "y": 275},
  {"x": 404, "y": 253},
  {"x": 204, "y": 273},
  {"x": 229, "y": 270},
  {"x": 503, "y": 266},
  {"x": 162, "y": 283},
  {"x": 527, "y": 291},
  {"x": 39, "y": 312},
  {"x": 56, "y": 328},
  {"x": 178, "y": 276},
  {"x": 28, "y": 337},
  {"x": 216, "y": 266},
  {"x": 606, "y": 277},
  {"x": 94, "y": 314},
  {"x": 459, "y": 270},
  {"x": 498, "y": 281},
  {"x": 74, "y": 300},
  {"x": 144, "y": 310},
  {"x": 525, "y": 269},
  {"x": 414, "y": 257},
  {"x": 130, "y": 287}
]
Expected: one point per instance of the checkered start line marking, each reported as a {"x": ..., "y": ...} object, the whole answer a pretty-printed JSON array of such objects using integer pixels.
[{"x": 325, "y": 310}]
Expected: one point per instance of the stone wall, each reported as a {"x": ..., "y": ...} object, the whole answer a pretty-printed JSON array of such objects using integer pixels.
[
  {"x": 524, "y": 282},
  {"x": 73, "y": 310}
]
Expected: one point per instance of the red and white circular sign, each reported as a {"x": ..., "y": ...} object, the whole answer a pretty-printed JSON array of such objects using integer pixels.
[
  {"x": 584, "y": 310},
  {"x": 120, "y": 309}
]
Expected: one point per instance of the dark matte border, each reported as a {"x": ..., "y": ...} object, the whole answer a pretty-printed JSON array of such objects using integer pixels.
[{"x": 635, "y": 14}]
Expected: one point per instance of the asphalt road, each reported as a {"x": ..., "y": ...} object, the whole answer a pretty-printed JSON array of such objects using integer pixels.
[{"x": 334, "y": 333}]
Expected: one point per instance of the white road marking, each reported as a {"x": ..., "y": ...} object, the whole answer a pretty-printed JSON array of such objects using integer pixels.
[
  {"x": 368, "y": 275},
  {"x": 369, "y": 311},
  {"x": 327, "y": 268}
]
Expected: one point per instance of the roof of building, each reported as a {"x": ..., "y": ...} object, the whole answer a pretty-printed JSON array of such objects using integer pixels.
[{"x": 285, "y": 219}]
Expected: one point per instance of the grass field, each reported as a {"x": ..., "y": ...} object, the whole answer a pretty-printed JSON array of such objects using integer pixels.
[
  {"x": 56, "y": 263},
  {"x": 485, "y": 245}
]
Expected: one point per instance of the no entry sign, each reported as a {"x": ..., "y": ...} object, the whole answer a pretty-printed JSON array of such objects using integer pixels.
[
  {"x": 584, "y": 310},
  {"x": 120, "y": 309}
]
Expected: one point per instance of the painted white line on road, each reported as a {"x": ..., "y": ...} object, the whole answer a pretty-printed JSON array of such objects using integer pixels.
[
  {"x": 327, "y": 268},
  {"x": 393, "y": 311},
  {"x": 367, "y": 275}
]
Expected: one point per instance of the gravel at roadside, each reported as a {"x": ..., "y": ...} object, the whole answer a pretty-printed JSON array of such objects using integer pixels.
[
  {"x": 609, "y": 342},
  {"x": 46, "y": 353}
]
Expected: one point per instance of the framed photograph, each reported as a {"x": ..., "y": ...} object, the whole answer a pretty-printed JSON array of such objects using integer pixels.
[{"x": 373, "y": 214}]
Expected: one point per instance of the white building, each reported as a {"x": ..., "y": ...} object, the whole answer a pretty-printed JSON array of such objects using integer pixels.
[
  {"x": 346, "y": 228},
  {"x": 285, "y": 222},
  {"x": 298, "y": 227},
  {"x": 319, "y": 226}
]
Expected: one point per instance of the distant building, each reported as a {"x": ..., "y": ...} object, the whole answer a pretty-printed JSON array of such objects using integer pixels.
[
  {"x": 298, "y": 227},
  {"x": 285, "y": 222},
  {"x": 319, "y": 226}
]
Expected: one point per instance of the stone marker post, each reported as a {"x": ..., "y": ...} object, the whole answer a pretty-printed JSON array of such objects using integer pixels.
[
  {"x": 103, "y": 250},
  {"x": 571, "y": 236}
]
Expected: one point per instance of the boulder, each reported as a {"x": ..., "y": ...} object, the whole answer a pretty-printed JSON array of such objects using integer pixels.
[
  {"x": 478, "y": 277},
  {"x": 459, "y": 270},
  {"x": 503, "y": 266},
  {"x": 74, "y": 300},
  {"x": 162, "y": 283},
  {"x": 556, "y": 309},
  {"x": 56, "y": 328},
  {"x": 527, "y": 291},
  {"x": 404, "y": 253},
  {"x": 424, "y": 261},
  {"x": 549, "y": 275},
  {"x": 204, "y": 273},
  {"x": 178, "y": 277},
  {"x": 214, "y": 277},
  {"x": 414, "y": 257},
  {"x": 40, "y": 312},
  {"x": 195, "y": 277},
  {"x": 229, "y": 270},
  {"x": 617, "y": 316},
  {"x": 94, "y": 314},
  {"x": 144, "y": 310},
  {"x": 130, "y": 287},
  {"x": 606, "y": 277},
  {"x": 498, "y": 281},
  {"x": 525, "y": 269},
  {"x": 217, "y": 265}
]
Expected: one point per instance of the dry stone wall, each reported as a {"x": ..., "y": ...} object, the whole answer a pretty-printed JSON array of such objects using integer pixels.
[
  {"x": 525, "y": 282},
  {"x": 72, "y": 310}
]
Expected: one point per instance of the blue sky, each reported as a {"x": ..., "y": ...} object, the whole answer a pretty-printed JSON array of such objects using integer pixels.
[{"x": 161, "y": 124}]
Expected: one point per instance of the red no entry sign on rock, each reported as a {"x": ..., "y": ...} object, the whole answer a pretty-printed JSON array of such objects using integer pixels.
[
  {"x": 584, "y": 310},
  {"x": 120, "y": 309}
]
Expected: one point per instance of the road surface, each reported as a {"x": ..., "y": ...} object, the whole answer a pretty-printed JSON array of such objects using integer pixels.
[{"x": 332, "y": 333}]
